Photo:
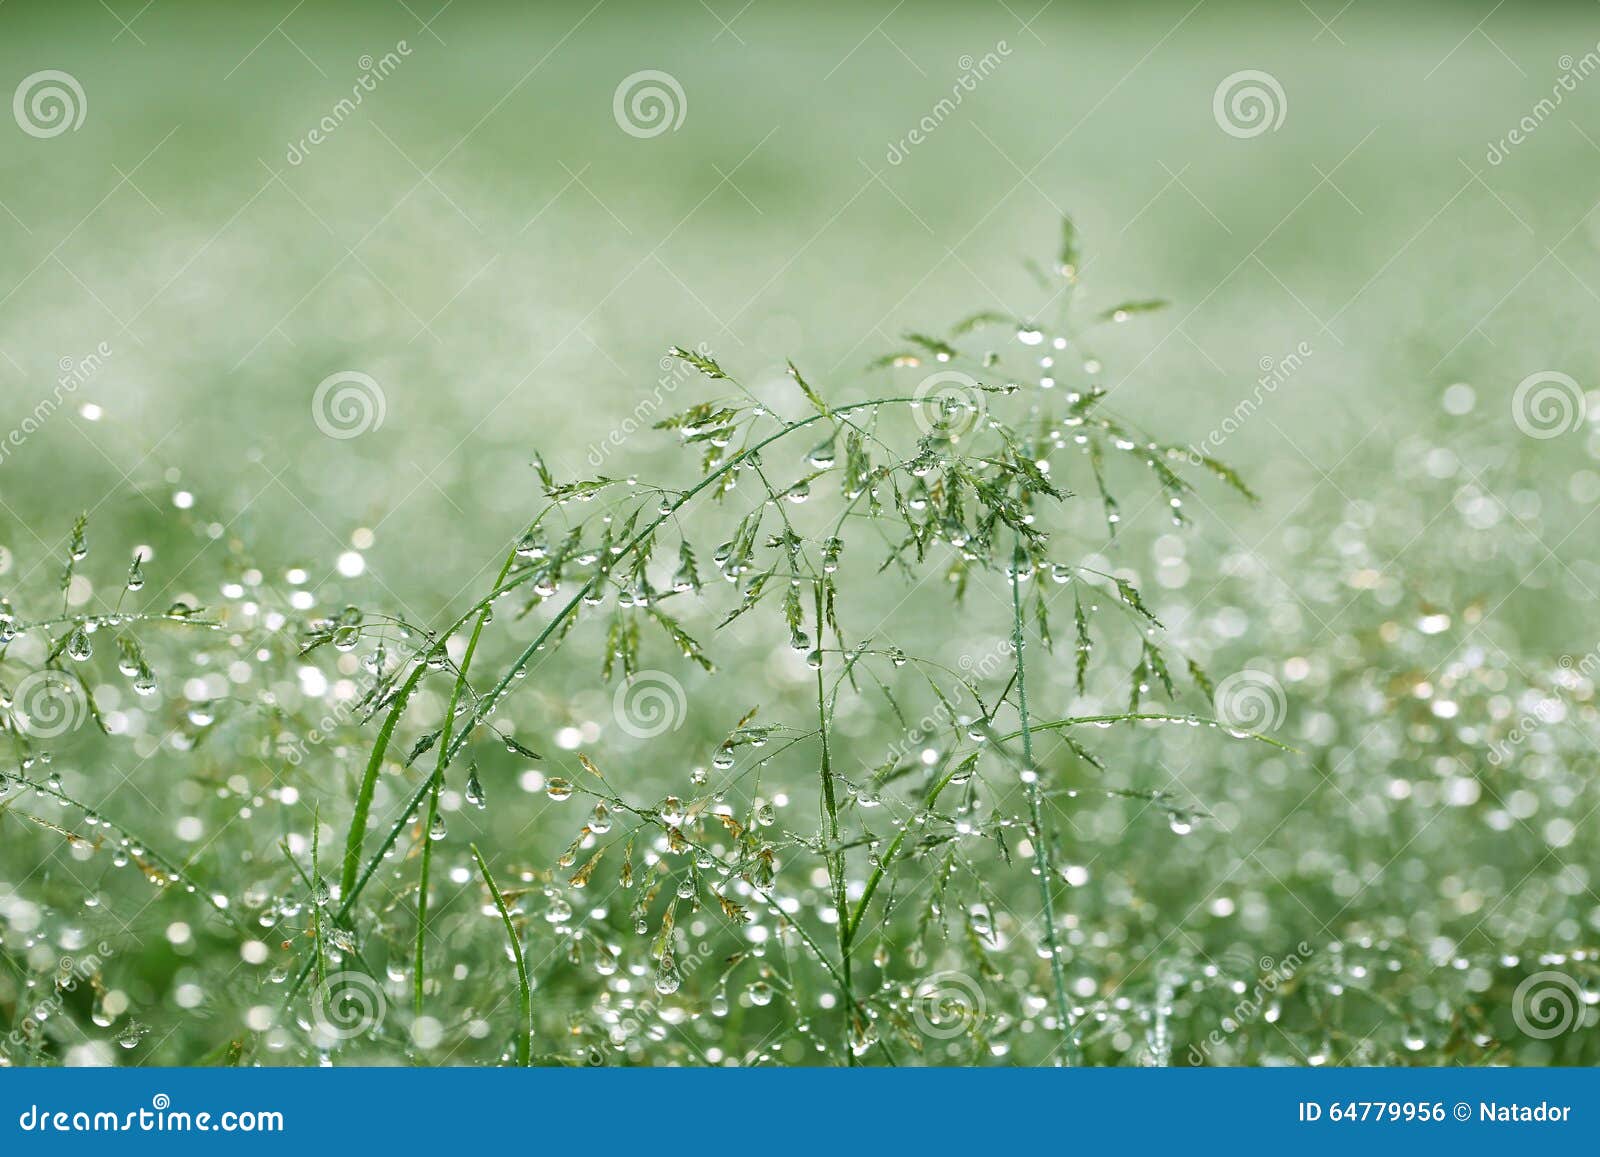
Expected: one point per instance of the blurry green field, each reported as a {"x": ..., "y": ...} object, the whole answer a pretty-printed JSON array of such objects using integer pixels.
[{"x": 484, "y": 241}]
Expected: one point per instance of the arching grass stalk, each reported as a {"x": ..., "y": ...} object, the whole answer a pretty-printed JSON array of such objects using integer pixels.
[
  {"x": 496, "y": 693},
  {"x": 419, "y": 975},
  {"x": 816, "y": 950},
  {"x": 356, "y": 878},
  {"x": 1041, "y": 837},
  {"x": 524, "y": 1038},
  {"x": 833, "y": 855}
]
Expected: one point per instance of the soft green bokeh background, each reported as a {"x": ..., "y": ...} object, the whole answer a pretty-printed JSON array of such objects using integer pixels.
[{"x": 483, "y": 239}]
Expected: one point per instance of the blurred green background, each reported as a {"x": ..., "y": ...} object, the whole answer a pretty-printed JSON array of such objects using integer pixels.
[{"x": 483, "y": 240}]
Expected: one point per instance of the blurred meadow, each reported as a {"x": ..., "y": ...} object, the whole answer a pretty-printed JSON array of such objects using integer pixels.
[{"x": 299, "y": 352}]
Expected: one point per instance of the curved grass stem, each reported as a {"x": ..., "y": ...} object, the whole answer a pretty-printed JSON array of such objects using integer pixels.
[
  {"x": 1041, "y": 837},
  {"x": 419, "y": 977},
  {"x": 524, "y": 1038}
]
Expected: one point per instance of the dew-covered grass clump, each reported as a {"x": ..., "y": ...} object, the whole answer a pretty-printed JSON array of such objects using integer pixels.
[{"x": 904, "y": 719}]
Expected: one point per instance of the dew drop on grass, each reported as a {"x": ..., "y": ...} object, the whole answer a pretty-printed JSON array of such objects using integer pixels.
[
  {"x": 474, "y": 790},
  {"x": 437, "y": 830},
  {"x": 558, "y": 789}
]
